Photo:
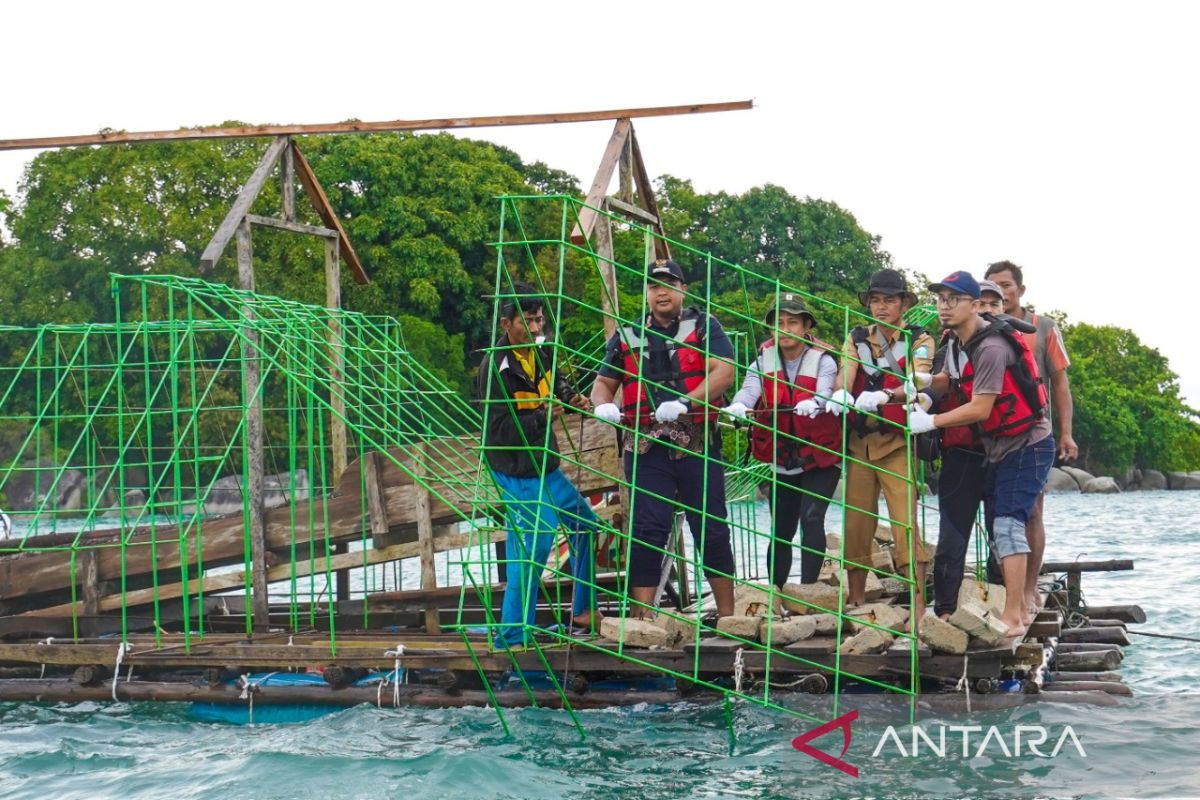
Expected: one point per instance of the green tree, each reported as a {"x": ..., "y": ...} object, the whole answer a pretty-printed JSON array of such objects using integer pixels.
[{"x": 1128, "y": 408}]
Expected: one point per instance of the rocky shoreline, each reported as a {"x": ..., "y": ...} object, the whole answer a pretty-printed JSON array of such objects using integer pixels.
[{"x": 1073, "y": 479}]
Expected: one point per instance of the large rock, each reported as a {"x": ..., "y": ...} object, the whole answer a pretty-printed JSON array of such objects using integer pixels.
[
  {"x": 634, "y": 632},
  {"x": 754, "y": 600},
  {"x": 977, "y": 622},
  {"x": 1060, "y": 481},
  {"x": 28, "y": 487},
  {"x": 800, "y": 597},
  {"x": 789, "y": 631},
  {"x": 1132, "y": 476},
  {"x": 826, "y": 624},
  {"x": 1183, "y": 480},
  {"x": 1152, "y": 480},
  {"x": 741, "y": 627},
  {"x": 891, "y": 617},
  {"x": 868, "y": 640},
  {"x": 1103, "y": 485},
  {"x": 989, "y": 595},
  {"x": 941, "y": 635},
  {"x": 678, "y": 629},
  {"x": 1081, "y": 476}
]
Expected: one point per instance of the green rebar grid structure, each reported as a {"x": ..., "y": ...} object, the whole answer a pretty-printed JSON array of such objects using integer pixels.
[
  {"x": 129, "y": 444},
  {"x": 536, "y": 247}
]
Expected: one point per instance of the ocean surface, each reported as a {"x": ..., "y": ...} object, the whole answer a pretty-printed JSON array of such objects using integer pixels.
[{"x": 1146, "y": 746}]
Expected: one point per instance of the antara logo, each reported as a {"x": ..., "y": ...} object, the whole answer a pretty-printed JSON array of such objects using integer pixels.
[{"x": 801, "y": 742}]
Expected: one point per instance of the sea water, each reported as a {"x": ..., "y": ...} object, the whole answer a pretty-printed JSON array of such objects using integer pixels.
[{"x": 1145, "y": 746}]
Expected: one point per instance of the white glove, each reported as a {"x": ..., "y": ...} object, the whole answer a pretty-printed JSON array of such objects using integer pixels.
[
  {"x": 839, "y": 402},
  {"x": 736, "y": 410},
  {"x": 924, "y": 401},
  {"x": 871, "y": 401},
  {"x": 670, "y": 411},
  {"x": 808, "y": 408},
  {"x": 608, "y": 412},
  {"x": 923, "y": 380},
  {"x": 910, "y": 391},
  {"x": 919, "y": 420}
]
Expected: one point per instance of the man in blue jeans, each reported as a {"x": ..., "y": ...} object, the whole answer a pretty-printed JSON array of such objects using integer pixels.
[
  {"x": 991, "y": 367},
  {"x": 516, "y": 381}
]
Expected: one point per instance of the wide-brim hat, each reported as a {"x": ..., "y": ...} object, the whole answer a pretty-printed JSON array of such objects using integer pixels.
[
  {"x": 789, "y": 303},
  {"x": 887, "y": 282}
]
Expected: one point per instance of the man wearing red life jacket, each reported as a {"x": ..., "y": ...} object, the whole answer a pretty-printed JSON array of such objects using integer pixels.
[
  {"x": 1052, "y": 362},
  {"x": 873, "y": 388},
  {"x": 786, "y": 390},
  {"x": 668, "y": 374},
  {"x": 960, "y": 485},
  {"x": 1003, "y": 396}
]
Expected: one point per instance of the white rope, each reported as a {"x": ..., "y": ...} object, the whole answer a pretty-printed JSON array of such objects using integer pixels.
[
  {"x": 739, "y": 667},
  {"x": 396, "y": 654},
  {"x": 964, "y": 685},
  {"x": 47, "y": 640},
  {"x": 117, "y": 668}
]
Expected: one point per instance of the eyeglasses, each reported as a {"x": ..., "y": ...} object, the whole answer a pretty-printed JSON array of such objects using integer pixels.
[{"x": 951, "y": 300}]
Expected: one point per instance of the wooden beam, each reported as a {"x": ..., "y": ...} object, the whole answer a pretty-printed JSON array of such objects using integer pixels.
[
  {"x": 241, "y": 205},
  {"x": 645, "y": 189},
  {"x": 292, "y": 227},
  {"x": 287, "y": 184},
  {"x": 599, "y": 188},
  {"x": 337, "y": 389},
  {"x": 316, "y": 194},
  {"x": 1109, "y": 565},
  {"x": 425, "y": 540},
  {"x": 251, "y": 370},
  {"x": 444, "y": 123},
  {"x": 639, "y": 214}
]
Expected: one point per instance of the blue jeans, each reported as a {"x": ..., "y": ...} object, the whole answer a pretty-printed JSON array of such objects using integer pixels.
[
  {"x": 1011, "y": 490},
  {"x": 535, "y": 507}
]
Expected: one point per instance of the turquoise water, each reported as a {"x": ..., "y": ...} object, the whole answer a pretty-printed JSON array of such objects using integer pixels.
[{"x": 1144, "y": 747}]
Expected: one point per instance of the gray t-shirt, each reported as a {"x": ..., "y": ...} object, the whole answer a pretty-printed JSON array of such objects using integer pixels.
[{"x": 989, "y": 360}]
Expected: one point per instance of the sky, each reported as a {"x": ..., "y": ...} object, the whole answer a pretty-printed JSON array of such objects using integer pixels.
[{"x": 1062, "y": 136}]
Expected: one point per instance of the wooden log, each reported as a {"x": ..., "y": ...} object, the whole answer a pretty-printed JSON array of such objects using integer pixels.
[
  {"x": 1043, "y": 630},
  {"x": 58, "y": 690},
  {"x": 1109, "y": 687},
  {"x": 1107, "y": 565},
  {"x": 287, "y": 183},
  {"x": 1105, "y": 623},
  {"x": 291, "y": 227},
  {"x": 1125, "y": 613},
  {"x": 1086, "y": 676},
  {"x": 1084, "y": 647},
  {"x": 391, "y": 126},
  {"x": 599, "y": 188},
  {"x": 1102, "y": 661},
  {"x": 316, "y": 195},
  {"x": 425, "y": 540},
  {"x": 632, "y": 211},
  {"x": 1102, "y": 635}
]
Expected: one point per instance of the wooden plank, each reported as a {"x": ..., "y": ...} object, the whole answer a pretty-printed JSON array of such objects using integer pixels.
[
  {"x": 599, "y": 188},
  {"x": 291, "y": 227},
  {"x": 1096, "y": 635},
  {"x": 1107, "y": 565},
  {"x": 287, "y": 184},
  {"x": 316, "y": 194},
  {"x": 89, "y": 572},
  {"x": 337, "y": 390},
  {"x": 632, "y": 211},
  {"x": 425, "y": 540},
  {"x": 602, "y": 244},
  {"x": 1125, "y": 613},
  {"x": 376, "y": 512},
  {"x": 241, "y": 205},
  {"x": 645, "y": 187},
  {"x": 625, "y": 174},
  {"x": 443, "y": 123}
]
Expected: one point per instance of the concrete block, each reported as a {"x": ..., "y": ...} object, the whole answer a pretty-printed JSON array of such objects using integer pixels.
[
  {"x": 828, "y": 575},
  {"x": 833, "y": 543},
  {"x": 883, "y": 532},
  {"x": 989, "y": 595},
  {"x": 992, "y": 633},
  {"x": 894, "y": 587},
  {"x": 892, "y": 617},
  {"x": 678, "y": 630},
  {"x": 940, "y": 635},
  {"x": 868, "y": 640},
  {"x": 817, "y": 594},
  {"x": 882, "y": 560},
  {"x": 742, "y": 627},
  {"x": 754, "y": 600},
  {"x": 969, "y": 617},
  {"x": 634, "y": 632},
  {"x": 874, "y": 587},
  {"x": 790, "y": 630},
  {"x": 827, "y": 624}
]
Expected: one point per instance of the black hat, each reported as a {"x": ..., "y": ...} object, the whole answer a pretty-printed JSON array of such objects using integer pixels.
[
  {"x": 887, "y": 282},
  {"x": 790, "y": 303},
  {"x": 665, "y": 268}
]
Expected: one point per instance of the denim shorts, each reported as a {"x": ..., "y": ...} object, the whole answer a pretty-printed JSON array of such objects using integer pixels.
[{"x": 1011, "y": 490}]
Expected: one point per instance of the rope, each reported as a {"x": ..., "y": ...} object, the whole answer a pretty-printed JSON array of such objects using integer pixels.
[
  {"x": 397, "y": 653},
  {"x": 964, "y": 685},
  {"x": 47, "y": 640},
  {"x": 739, "y": 668},
  {"x": 121, "y": 650}
]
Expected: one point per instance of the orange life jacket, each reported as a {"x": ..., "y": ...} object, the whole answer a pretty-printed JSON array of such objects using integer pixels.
[
  {"x": 777, "y": 443},
  {"x": 654, "y": 362}
]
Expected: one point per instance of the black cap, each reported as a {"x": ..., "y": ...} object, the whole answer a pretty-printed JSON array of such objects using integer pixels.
[
  {"x": 665, "y": 268},
  {"x": 887, "y": 282}
]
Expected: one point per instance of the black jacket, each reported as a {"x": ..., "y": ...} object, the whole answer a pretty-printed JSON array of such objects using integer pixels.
[{"x": 513, "y": 437}]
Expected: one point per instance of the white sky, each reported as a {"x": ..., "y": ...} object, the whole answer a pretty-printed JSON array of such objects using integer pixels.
[{"x": 1062, "y": 136}]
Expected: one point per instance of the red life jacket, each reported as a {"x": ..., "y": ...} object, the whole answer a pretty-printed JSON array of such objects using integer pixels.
[
  {"x": 961, "y": 436},
  {"x": 880, "y": 375},
  {"x": 654, "y": 362},
  {"x": 776, "y": 410},
  {"x": 1021, "y": 403}
]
